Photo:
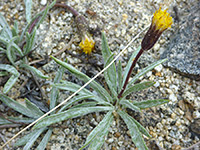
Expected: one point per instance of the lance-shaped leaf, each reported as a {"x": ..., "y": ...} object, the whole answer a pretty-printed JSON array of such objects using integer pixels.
[
  {"x": 137, "y": 87},
  {"x": 9, "y": 68},
  {"x": 108, "y": 57},
  {"x": 45, "y": 140},
  {"x": 34, "y": 109},
  {"x": 70, "y": 86},
  {"x": 86, "y": 104},
  {"x": 119, "y": 75},
  {"x": 28, "y": 4},
  {"x": 97, "y": 87},
  {"x": 38, "y": 19},
  {"x": 10, "y": 51},
  {"x": 9, "y": 84},
  {"x": 134, "y": 131},
  {"x": 5, "y": 25},
  {"x": 96, "y": 138},
  {"x": 145, "y": 70},
  {"x": 108, "y": 77},
  {"x": 75, "y": 100},
  {"x": 128, "y": 66},
  {"x": 16, "y": 119},
  {"x": 29, "y": 139},
  {"x": 15, "y": 29},
  {"x": 12, "y": 80},
  {"x": 71, "y": 113},
  {"x": 65, "y": 85},
  {"x": 54, "y": 90},
  {"x": 128, "y": 104},
  {"x": 30, "y": 41},
  {"x": 29, "y": 111},
  {"x": 44, "y": 14},
  {"x": 141, "y": 128},
  {"x": 35, "y": 71},
  {"x": 6, "y": 42},
  {"x": 149, "y": 103},
  {"x": 2, "y": 50}
]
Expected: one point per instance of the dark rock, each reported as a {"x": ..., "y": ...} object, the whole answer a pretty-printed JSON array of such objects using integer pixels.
[
  {"x": 153, "y": 145},
  {"x": 183, "y": 52},
  {"x": 195, "y": 128}
]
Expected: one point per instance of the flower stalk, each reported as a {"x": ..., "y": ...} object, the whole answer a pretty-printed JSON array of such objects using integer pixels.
[
  {"x": 130, "y": 71},
  {"x": 87, "y": 43},
  {"x": 161, "y": 20}
]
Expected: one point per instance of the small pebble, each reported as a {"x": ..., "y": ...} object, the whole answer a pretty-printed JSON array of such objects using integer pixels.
[
  {"x": 172, "y": 97},
  {"x": 196, "y": 114},
  {"x": 156, "y": 47},
  {"x": 159, "y": 68},
  {"x": 43, "y": 2}
]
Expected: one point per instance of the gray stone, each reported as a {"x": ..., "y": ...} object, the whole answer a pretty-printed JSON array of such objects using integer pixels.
[{"x": 183, "y": 52}]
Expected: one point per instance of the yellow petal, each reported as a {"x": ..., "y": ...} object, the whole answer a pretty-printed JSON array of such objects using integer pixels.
[
  {"x": 162, "y": 20},
  {"x": 87, "y": 45}
]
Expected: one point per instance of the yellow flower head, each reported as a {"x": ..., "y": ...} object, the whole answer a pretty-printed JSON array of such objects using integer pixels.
[
  {"x": 162, "y": 20},
  {"x": 87, "y": 44}
]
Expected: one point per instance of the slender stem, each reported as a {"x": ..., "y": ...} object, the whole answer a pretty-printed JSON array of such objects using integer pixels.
[
  {"x": 70, "y": 9},
  {"x": 129, "y": 73}
]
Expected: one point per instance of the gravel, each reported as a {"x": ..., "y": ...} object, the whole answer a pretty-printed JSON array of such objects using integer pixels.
[{"x": 168, "y": 124}]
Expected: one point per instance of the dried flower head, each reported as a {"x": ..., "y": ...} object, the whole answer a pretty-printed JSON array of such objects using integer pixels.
[
  {"x": 87, "y": 44},
  {"x": 160, "y": 22}
]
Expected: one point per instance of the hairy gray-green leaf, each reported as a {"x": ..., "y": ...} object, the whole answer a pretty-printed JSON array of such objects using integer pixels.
[
  {"x": 71, "y": 113},
  {"x": 16, "y": 119},
  {"x": 86, "y": 104},
  {"x": 12, "y": 79},
  {"x": 15, "y": 29},
  {"x": 75, "y": 100},
  {"x": 137, "y": 87},
  {"x": 34, "y": 109},
  {"x": 26, "y": 49},
  {"x": 9, "y": 68},
  {"x": 35, "y": 71},
  {"x": 145, "y": 70},
  {"x": 9, "y": 84},
  {"x": 33, "y": 139},
  {"x": 25, "y": 139},
  {"x": 128, "y": 104},
  {"x": 10, "y": 51},
  {"x": 97, "y": 87},
  {"x": 17, "y": 106},
  {"x": 119, "y": 75},
  {"x": 6, "y": 42},
  {"x": 44, "y": 14},
  {"x": 45, "y": 140},
  {"x": 96, "y": 138},
  {"x": 66, "y": 85},
  {"x": 3, "y": 73},
  {"x": 2, "y": 50},
  {"x": 141, "y": 128},
  {"x": 5, "y": 25},
  {"x": 128, "y": 66},
  {"x": 54, "y": 90},
  {"x": 84, "y": 92},
  {"x": 134, "y": 131},
  {"x": 107, "y": 56},
  {"x": 149, "y": 103},
  {"x": 28, "y": 4},
  {"x": 30, "y": 41},
  {"x": 108, "y": 77},
  {"x": 37, "y": 18}
]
